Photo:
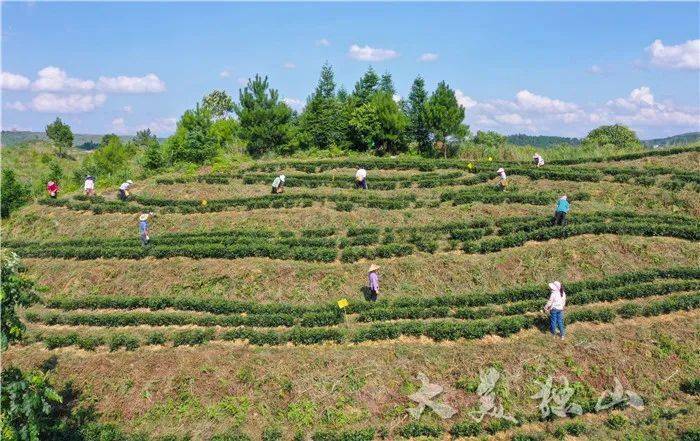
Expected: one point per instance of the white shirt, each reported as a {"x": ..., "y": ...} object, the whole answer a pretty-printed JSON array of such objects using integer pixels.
[
  {"x": 89, "y": 184},
  {"x": 361, "y": 174},
  {"x": 556, "y": 301},
  {"x": 502, "y": 175},
  {"x": 125, "y": 186},
  {"x": 539, "y": 160}
]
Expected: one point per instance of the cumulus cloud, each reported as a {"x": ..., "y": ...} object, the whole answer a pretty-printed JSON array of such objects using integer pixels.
[
  {"x": 289, "y": 65},
  {"x": 640, "y": 108},
  {"x": 127, "y": 109},
  {"x": 73, "y": 103},
  {"x": 12, "y": 81},
  {"x": 160, "y": 126},
  {"x": 242, "y": 81},
  {"x": 17, "y": 105},
  {"x": 680, "y": 56},
  {"x": 367, "y": 53},
  {"x": 225, "y": 73},
  {"x": 54, "y": 79},
  {"x": 294, "y": 103},
  {"x": 428, "y": 56},
  {"x": 464, "y": 100},
  {"x": 323, "y": 42},
  {"x": 122, "y": 84},
  {"x": 530, "y": 101},
  {"x": 119, "y": 126}
]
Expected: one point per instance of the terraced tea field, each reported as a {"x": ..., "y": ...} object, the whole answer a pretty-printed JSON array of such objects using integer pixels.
[{"x": 227, "y": 325}]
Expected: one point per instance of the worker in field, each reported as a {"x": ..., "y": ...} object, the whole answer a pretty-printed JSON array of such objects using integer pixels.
[
  {"x": 555, "y": 308},
  {"x": 373, "y": 282},
  {"x": 361, "y": 179},
  {"x": 52, "y": 188},
  {"x": 124, "y": 190},
  {"x": 143, "y": 228},
  {"x": 89, "y": 186},
  {"x": 561, "y": 211},
  {"x": 278, "y": 184},
  {"x": 502, "y": 179},
  {"x": 538, "y": 160}
]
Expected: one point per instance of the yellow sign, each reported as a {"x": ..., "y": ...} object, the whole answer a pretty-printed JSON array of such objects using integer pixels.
[
  {"x": 204, "y": 202},
  {"x": 343, "y": 303},
  {"x": 470, "y": 165},
  {"x": 490, "y": 158}
]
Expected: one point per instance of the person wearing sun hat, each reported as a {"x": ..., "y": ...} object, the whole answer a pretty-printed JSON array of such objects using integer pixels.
[
  {"x": 278, "y": 184},
  {"x": 537, "y": 160},
  {"x": 361, "y": 179},
  {"x": 89, "y": 186},
  {"x": 124, "y": 190},
  {"x": 503, "y": 182},
  {"x": 561, "y": 211},
  {"x": 143, "y": 228},
  {"x": 373, "y": 281},
  {"x": 555, "y": 308}
]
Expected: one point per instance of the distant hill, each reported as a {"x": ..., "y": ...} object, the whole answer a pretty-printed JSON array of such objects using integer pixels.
[
  {"x": 10, "y": 138},
  {"x": 541, "y": 141},
  {"x": 685, "y": 138}
]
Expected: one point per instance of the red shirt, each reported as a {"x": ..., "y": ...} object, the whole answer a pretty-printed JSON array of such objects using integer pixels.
[{"x": 52, "y": 187}]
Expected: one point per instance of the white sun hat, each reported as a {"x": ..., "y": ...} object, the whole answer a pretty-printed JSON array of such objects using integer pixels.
[
  {"x": 143, "y": 217},
  {"x": 500, "y": 170},
  {"x": 372, "y": 268},
  {"x": 129, "y": 181},
  {"x": 282, "y": 178},
  {"x": 555, "y": 286}
]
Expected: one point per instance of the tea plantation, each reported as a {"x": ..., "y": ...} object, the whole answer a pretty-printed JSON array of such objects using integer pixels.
[{"x": 227, "y": 325}]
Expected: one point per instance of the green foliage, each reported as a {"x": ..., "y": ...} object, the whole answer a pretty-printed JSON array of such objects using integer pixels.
[
  {"x": 193, "y": 140},
  {"x": 616, "y": 421},
  {"x": 13, "y": 193},
  {"x": 60, "y": 135},
  {"x": 17, "y": 291},
  {"x": 415, "y": 429},
  {"x": 264, "y": 120},
  {"x": 415, "y": 108},
  {"x": 379, "y": 125},
  {"x": 691, "y": 386},
  {"x": 110, "y": 160},
  {"x": 218, "y": 104},
  {"x": 27, "y": 402},
  {"x": 153, "y": 155},
  {"x": 444, "y": 116},
  {"x": 366, "y": 87},
  {"x": 616, "y": 135},
  {"x": 489, "y": 139}
]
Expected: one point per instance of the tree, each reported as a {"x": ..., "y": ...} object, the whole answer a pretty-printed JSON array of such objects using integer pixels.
[
  {"x": 415, "y": 108},
  {"x": 365, "y": 87},
  {"x": 218, "y": 103},
  {"x": 61, "y": 136},
  {"x": 153, "y": 155},
  {"x": 386, "y": 84},
  {"x": 264, "y": 120},
  {"x": 13, "y": 193},
  {"x": 490, "y": 139},
  {"x": 17, "y": 291},
  {"x": 110, "y": 159},
  {"x": 616, "y": 135},
  {"x": 322, "y": 124},
  {"x": 144, "y": 138},
  {"x": 445, "y": 116},
  {"x": 193, "y": 140},
  {"x": 379, "y": 125},
  {"x": 106, "y": 139}
]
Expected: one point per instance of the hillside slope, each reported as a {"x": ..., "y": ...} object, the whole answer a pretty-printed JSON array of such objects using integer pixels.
[{"x": 228, "y": 322}]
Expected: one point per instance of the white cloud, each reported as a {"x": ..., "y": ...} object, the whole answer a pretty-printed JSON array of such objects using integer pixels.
[
  {"x": 640, "y": 109},
  {"x": 293, "y": 102},
  {"x": 242, "y": 81},
  {"x": 367, "y": 53},
  {"x": 464, "y": 100},
  {"x": 289, "y": 65},
  {"x": 122, "y": 84},
  {"x": 54, "y": 79},
  {"x": 225, "y": 73},
  {"x": 17, "y": 105},
  {"x": 513, "y": 119},
  {"x": 530, "y": 101},
  {"x": 595, "y": 70},
  {"x": 428, "y": 56},
  {"x": 74, "y": 103},
  {"x": 160, "y": 126},
  {"x": 127, "y": 109},
  {"x": 323, "y": 42},
  {"x": 119, "y": 126},
  {"x": 12, "y": 81},
  {"x": 681, "y": 56},
  {"x": 396, "y": 97}
]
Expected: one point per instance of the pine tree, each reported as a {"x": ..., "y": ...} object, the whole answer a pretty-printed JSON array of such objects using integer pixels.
[
  {"x": 366, "y": 87},
  {"x": 416, "y": 111},
  {"x": 322, "y": 124},
  {"x": 445, "y": 116},
  {"x": 386, "y": 84}
]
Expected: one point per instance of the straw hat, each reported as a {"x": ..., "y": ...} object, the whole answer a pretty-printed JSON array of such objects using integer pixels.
[
  {"x": 372, "y": 268},
  {"x": 500, "y": 170},
  {"x": 555, "y": 286},
  {"x": 563, "y": 197},
  {"x": 143, "y": 217},
  {"x": 129, "y": 182}
]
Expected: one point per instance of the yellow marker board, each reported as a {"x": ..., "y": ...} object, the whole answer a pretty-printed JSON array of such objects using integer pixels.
[{"x": 343, "y": 303}]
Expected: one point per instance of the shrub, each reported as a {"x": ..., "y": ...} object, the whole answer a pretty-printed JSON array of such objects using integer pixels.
[
  {"x": 192, "y": 337},
  {"x": 125, "y": 341},
  {"x": 616, "y": 421},
  {"x": 416, "y": 429},
  {"x": 691, "y": 386},
  {"x": 466, "y": 428}
]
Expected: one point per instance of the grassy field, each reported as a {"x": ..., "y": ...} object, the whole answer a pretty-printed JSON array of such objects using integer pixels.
[{"x": 209, "y": 337}]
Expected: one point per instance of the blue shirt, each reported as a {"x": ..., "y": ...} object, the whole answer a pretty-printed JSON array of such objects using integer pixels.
[
  {"x": 563, "y": 205},
  {"x": 143, "y": 227}
]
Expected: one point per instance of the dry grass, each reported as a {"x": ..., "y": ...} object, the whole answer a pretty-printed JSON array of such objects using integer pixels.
[
  {"x": 419, "y": 275},
  {"x": 367, "y": 384}
]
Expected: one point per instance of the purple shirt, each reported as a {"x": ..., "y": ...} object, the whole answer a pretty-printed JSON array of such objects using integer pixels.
[{"x": 373, "y": 281}]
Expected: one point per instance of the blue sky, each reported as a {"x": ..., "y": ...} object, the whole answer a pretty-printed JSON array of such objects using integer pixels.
[{"x": 540, "y": 68}]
